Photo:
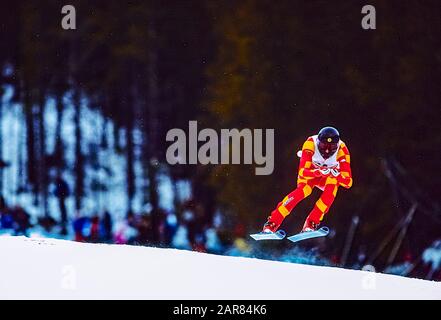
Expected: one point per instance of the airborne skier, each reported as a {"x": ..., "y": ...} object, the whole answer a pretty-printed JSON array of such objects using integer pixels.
[{"x": 325, "y": 163}]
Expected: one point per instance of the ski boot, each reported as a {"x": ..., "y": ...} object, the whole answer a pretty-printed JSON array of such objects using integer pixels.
[
  {"x": 310, "y": 226},
  {"x": 273, "y": 223}
]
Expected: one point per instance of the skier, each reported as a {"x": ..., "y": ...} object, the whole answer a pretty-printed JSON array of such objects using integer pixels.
[{"x": 325, "y": 164}]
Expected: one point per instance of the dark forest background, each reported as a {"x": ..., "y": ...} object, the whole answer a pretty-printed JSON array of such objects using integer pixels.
[{"x": 295, "y": 66}]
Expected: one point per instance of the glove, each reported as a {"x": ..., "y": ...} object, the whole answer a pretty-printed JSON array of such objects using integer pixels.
[
  {"x": 317, "y": 173},
  {"x": 335, "y": 172},
  {"x": 342, "y": 180},
  {"x": 321, "y": 172}
]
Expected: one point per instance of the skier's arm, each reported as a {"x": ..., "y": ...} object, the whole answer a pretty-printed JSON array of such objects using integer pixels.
[
  {"x": 306, "y": 169},
  {"x": 344, "y": 158}
]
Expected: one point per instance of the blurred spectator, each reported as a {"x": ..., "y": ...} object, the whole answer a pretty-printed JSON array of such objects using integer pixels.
[
  {"x": 61, "y": 192},
  {"x": 180, "y": 239},
  {"x": 106, "y": 227},
  {"x": 131, "y": 219},
  {"x": 194, "y": 218},
  {"x": 199, "y": 243},
  {"x": 21, "y": 221},
  {"x": 46, "y": 228},
  {"x": 126, "y": 230},
  {"x": 213, "y": 243},
  {"x": 94, "y": 235},
  {"x": 3, "y": 206},
  {"x": 158, "y": 218},
  {"x": 432, "y": 257},
  {"x": 240, "y": 248},
  {"x": 170, "y": 228},
  {"x": 6, "y": 218},
  {"x": 47, "y": 223},
  {"x": 145, "y": 234},
  {"x": 79, "y": 226},
  {"x": 401, "y": 268}
]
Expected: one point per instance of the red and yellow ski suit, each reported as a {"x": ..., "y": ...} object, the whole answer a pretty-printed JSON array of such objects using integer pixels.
[{"x": 309, "y": 176}]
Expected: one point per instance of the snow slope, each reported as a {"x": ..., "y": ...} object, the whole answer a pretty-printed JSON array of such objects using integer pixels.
[{"x": 33, "y": 268}]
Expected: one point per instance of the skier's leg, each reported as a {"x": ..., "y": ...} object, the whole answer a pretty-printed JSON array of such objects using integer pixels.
[
  {"x": 323, "y": 204},
  {"x": 287, "y": 204}
]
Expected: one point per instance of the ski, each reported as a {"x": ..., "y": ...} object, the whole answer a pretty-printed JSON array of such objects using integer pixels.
[
  {"x": 278, "y": 235},
  {"x": 322, "y": 232}
]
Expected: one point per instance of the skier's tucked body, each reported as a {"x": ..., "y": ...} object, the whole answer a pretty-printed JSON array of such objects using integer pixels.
[{"x": 325, "y": 163}]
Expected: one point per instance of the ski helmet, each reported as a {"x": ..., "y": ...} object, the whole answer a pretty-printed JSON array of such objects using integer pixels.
[{"x": 328, "y": 139}]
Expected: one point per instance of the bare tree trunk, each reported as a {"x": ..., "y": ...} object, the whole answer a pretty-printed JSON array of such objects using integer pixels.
[
  {"x": 59, "y": 148},
  {"x": 401, "y": 235},
  {"x": 79, "y": 163},
  {"x": 42, "y": 168},
  {"x": 152, "y": 129},
  {"x": 22, "y": 181},
  {"x": 176, "y": 199},
  {"x": 130, "y": 149},
  {"x": 79, "y": 159},
  {"x": 30, "y": 138}
]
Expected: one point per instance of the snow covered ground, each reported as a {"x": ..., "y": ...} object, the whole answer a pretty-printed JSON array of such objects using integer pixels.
[{"x": 33, "y": 268}]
